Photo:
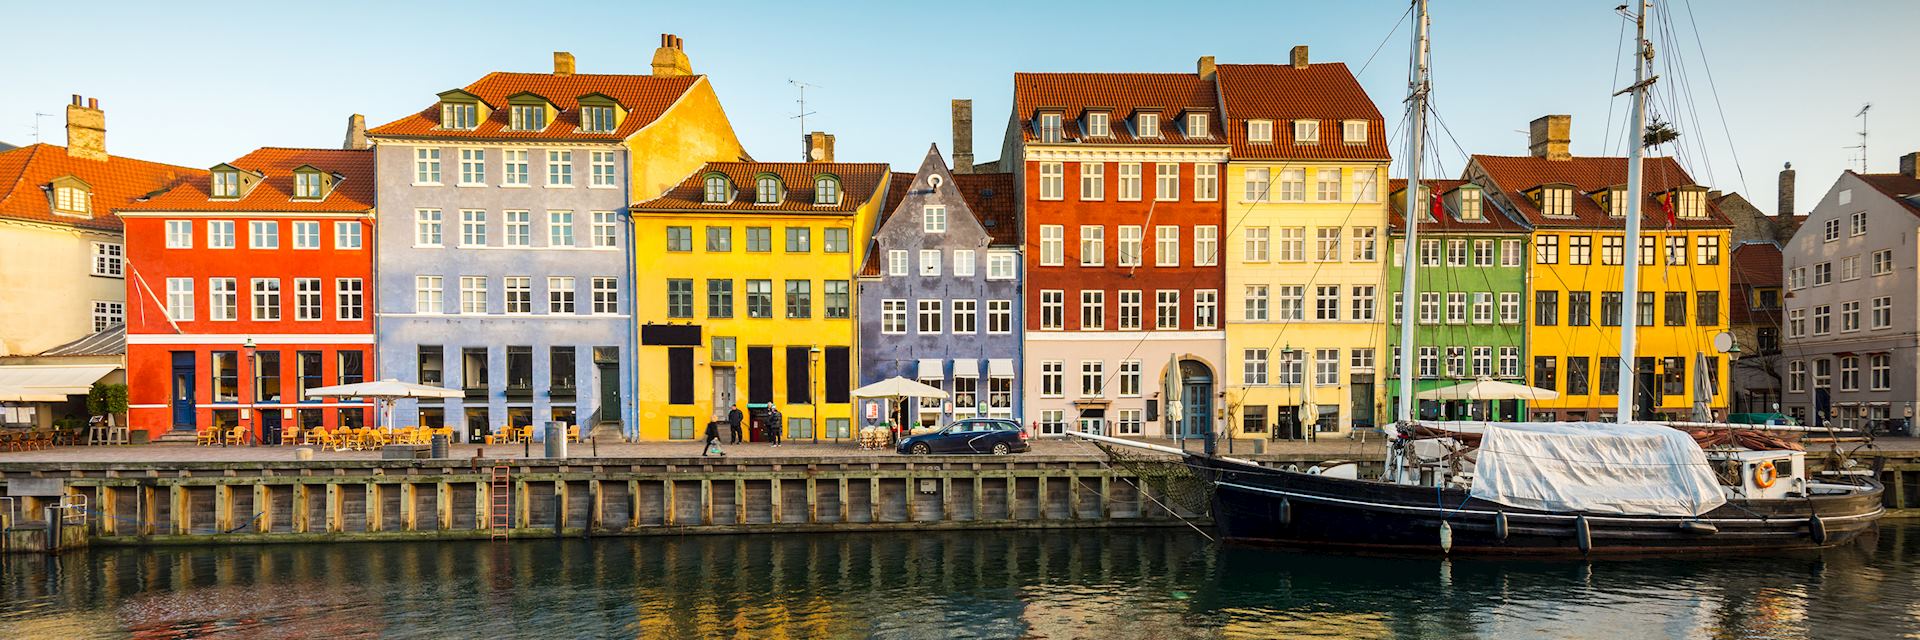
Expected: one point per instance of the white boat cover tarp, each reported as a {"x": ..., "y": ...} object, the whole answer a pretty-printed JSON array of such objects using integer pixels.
[{"x": 1595, "y": 467}]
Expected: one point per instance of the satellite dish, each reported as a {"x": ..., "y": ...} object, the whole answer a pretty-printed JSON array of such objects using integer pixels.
[
  {"x": 1723, "y": 342},
  {"x": 817, "y": 153}
]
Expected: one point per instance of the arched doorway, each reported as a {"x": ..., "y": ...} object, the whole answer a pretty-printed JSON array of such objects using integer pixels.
[{"x": 1196, "y": 398}]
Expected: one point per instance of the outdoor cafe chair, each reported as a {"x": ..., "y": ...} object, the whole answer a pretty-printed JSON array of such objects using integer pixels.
[
  {"x": 236, "y": 436},
  {"x": 207, "y": 437}
]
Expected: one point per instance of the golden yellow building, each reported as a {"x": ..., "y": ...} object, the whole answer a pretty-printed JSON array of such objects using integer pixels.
[
  {"x": 1577, "y": 209},
  {"x": 62, "y": 273},
  {"x": 745, "y": 294},
  {"x": 1306, "y": 217}
]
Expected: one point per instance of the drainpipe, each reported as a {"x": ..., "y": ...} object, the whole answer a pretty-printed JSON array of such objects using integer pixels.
[{"x": 630, "y": 404}]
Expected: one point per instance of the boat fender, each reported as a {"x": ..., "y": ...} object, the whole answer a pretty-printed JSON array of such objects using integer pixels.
[
  {"x": 1284, "y": 513},
  {"x": 1500, "y": 525},
  {"x": 1817, "y": 529},
  {"x": 1699, "y": 528},
  {"x": 1583, "y": 534},
  {"x": 1446, "y": 537}
]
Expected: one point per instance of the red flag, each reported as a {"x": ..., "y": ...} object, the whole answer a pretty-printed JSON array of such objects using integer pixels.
[
  {"x": 1438, "y": 211},
  {"x": 1666, "y": 204}
]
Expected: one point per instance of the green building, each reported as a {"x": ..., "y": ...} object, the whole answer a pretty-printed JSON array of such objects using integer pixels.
[{"x": 1468, "y": 305}]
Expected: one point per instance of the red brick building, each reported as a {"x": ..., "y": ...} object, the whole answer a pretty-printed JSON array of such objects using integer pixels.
[
  {"x": 1119, "y": 178},
  {"x": 248, "y": 286}
]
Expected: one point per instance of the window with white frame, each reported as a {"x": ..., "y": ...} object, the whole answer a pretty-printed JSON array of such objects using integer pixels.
[
  {"x": 1093, "y": 245},
  {"x": 1830, "y": 230},
  {"x": 1511, "y": 252},
  {"x": 223, "y": 299},
  {"x": 346, "y": 235},
  {"x": 1052, "y": 181},
  {"x": 1429, "y": 307},
  {"x": 1292, "y": 302},
  {"x": 1509, "y": 307},
  {"x": 1052, "y": 381},
  {"x": 1366, "y": 187},
  {"x": 559, "y": 168},
  {"x": 1293, "y": 185},
  {"x": 1327, "y": 186},
  {"x": 1206, "y": 182},
  {"x": 1258, "y": 182},
  {"x": 1255, "y": 303},
  {"x": 964, "y": 262},
  {"x": 1129, "y": 181},
  {"x": 220, "y": 234},
  {"x": 473, "y": 294},
  {"x": 1353, "y": 131},
  {"x": 1292, "y": 244},
  {"x": 515, "y": 163},
  {"x": 1556, "y": 201},
  {"x": 1456, "y": 252},
  {"x": 1483, "y": 253},
  {"x": 560, "y": 229},
  {"x": 1850, "y": 316},
  {"x": 606, "y": 295},
  {"x": 605, "y": 229},
  {"x": 560, "y": 295},
  {"x": 1257, "y": 244},
  {"x": 180, "y": 299},
  {"x": 1880, "y": 372},
  {"x": 306, "y": 234},
  {"x": 1360, "y": 360},
  {"x": 1053, "y": 245},
  {"x": 350, "y": 296},
  {"x": 1365, "y": 243},
  {"x": 1306, "y": 132},
  {"x": 602, "y": 165},
  {"x": 1291, "y": 367},
  {"x": 429, "y": 294},
  {"x": 179, "y": 234},
  {"x": 1823, "y": 274},
  {"x": 893, "y": 316},
  {"x": 1857, "y": 225},
  {"x": 1326, "y": 302},
  {"x": 1206, "y": 309},
  {"x": 473, "y": 167},
  {"x": 1326, "y": 244},
  {"x": 1206, "y": 245},
  {"x": 1166, "y": 309},
  {"x": 966, "y": 317},
  {"x": 1822, "y": 319},
  {"x": 933, "y": 218},
  {"x": 519, "y": 228},
  {"x": 1482, "y": 307},
  {"x": 1796, "y": 323},
  {"x": 518, "y": 294},
  {"x": 527, "y": 117},
  {"x": 306, "y": 298},
  {"x": 1259, "y": 131},
  {"x": 1053, "y": 309},
  {"x": 1362, "y": 306},
  {"x": 263, "y": 234},
  {"x": 999, "y": 316},
  {"x": 1128, "y": 246},
  {"x": 1166, "y": 246},
  {"x": 1147, "y": 125},
  {"x": 1882, "y": 262},
  {"x": 426, "y": 227},
  {"x": 1098, "y": 125},
  {"x": 1797, "y": 376},
  {"x": 426, "y": 166},
  {"x": 266, "y": 298},
  {"x": 473, "y": 228},
  {"x": 1166, "y": 182},
  {"x": 1456, "y": 307},
  {"x": 1050, "y": 127},
  {"x": 1326, "y": 367},
  {"x": 107, "y": 313},
  {"x": 1883, "y": 312},
  {"x": 1429, "y": 358},
  {"x": 109, "y": 259},
  {"x": 1093, "y": 310},
  {"x": 930, "y": 262},
  {"x": 1253, "y": 366},
  {"x": 1509, "y": 362},
  {"x": 1093, "y": 378}
]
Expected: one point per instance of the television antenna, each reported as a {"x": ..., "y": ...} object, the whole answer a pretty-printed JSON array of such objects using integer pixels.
[
  {"x": 802, "y": 116},
  {"x": 1862, "y": 115},
  {"x": 36, "y": 125}
]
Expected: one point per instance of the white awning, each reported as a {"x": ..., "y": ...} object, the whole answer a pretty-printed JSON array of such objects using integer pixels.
[
  {"x": 1000, "y": 367},
  {"x": 49, "y": 382},
  {"x": 930, "y": 369},
  {"x": 966, "y": 368}
]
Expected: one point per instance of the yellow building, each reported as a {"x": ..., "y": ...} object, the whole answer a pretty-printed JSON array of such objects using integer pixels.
[
  {"x": 1577, "y": 208},
  {"x": 62, "y": 273},
  {"x": 1306, "y": 217},
  {"x": 745, "y": 294}
]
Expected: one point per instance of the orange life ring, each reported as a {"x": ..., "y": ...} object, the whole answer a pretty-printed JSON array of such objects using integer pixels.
[{"x": 1764, "y": 475}]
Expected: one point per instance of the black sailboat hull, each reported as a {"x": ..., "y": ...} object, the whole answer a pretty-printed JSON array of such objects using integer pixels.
[{"x": 1270, "y": 506}]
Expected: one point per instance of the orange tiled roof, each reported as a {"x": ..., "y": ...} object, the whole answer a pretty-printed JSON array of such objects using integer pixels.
[
  {"x": 644, "y": 98},
  {"x": 1121, "y": 94},
  {"x": 1493, "y": 218},
  {"x": 1512, "y": 175},
  {"x": 1903, "y": 189},
  {"x": 353, "y": 190},
  {"x": 858, "y": 181},
  {"x": 1326, "y": 92},
  {"x": 26, "y": 172}
]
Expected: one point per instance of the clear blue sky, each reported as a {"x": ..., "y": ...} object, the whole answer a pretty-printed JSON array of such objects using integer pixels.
[{"x": 200, "y": 85}]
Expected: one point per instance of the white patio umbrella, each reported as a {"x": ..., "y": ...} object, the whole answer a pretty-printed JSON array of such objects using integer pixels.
[
  {"x": 897, "y": 388},
  {"x": 1487, "y": 389},
  {"x": 383, "y": 393}
]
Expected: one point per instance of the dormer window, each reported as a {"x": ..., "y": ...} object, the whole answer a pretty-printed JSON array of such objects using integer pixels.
[
  {"x": 226, "y": 184},
  {"x": 1617, "y": 202},
  {"x": 1556, "y": 201},
  {"x": 766, "y": 190},
  {"x": 1306, "y": 132},
  {"x": 826, "y": 191},
  {"x": 716, "y": 190},
  {"x": 1353, "y": 132},
  {"x": 1689, "y": 203},
  {"x": 596, "y": 119},
  {"x": 1147, "y": 125},
  {"x": 309, "y": 184},
  {"x": 71, "y": 196},
  {"x": 1097, "y": 125},
  {"x": 529, "y": 117},
  {"x": 1469, "y": 203},
  {"x": 459, "y": 115},
  {"x": 1049, "y": 128},
  {"x": 1259, "y": 131},
  {"x": 1197, "y": 126}
]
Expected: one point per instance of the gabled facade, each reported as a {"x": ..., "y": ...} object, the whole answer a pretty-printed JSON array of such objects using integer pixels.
[
  {"x": 1470, "y": 284},
  {"x": 1120, "y": 177},
  {"x": 1576, "y": 208},
  {"x": 59, "y": 233},
  {"x": 1756, "y": 316},
  {"x": 1304, "y": 213},
  {"x": 745, "y": 294},
  {"x": 939, "y": 295},
  {"x": 250, "y": 285},
  {"x": 506, "y": 263},
  {"x": 1850, "y": 303}
]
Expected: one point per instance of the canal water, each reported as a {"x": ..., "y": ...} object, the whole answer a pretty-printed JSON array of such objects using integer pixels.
[{"x": 1057, "y": 585}]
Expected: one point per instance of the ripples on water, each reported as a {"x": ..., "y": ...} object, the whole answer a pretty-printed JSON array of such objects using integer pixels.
[{"x": 1056, "y": 585}]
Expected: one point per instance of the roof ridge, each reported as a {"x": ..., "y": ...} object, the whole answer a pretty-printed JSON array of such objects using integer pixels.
[{"x": 20, "y": 178}]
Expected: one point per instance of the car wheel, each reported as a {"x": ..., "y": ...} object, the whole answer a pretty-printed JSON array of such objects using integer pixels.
[
  {"x": 1002, "y": 449},
  {"x": 921, "y": 448}
]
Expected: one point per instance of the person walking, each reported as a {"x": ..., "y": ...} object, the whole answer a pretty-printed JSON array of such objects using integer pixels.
[
  {"x": 711, "y": 446},
  {"x": 775, "y": 424},
  {"x": 733, "y": 422}
]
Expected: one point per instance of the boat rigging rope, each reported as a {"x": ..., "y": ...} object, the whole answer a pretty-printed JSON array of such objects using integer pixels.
[{"x": 1142, "y": 491}]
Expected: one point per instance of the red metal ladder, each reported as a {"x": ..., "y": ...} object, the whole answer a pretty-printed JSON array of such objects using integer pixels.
[{"x": 501, "y": 511}]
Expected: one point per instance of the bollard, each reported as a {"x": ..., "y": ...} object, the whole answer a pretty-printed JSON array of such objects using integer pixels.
[
  {"x": 439, "y": 446},
  {"x": 303, "y": 453},
  {"x": 556, "y": 439}
]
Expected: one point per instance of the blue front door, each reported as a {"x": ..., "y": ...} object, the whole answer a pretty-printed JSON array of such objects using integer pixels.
[
  {"x": 183, "y": 377},
  {"x": 1196, "y": 399}
]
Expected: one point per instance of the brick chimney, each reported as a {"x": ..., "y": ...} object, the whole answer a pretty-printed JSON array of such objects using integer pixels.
[
  {"x": 1299, "y": 56},
  {"x": 963, "y": 136},
  {"x": 1204, "y": 67},
  {"x": 86, "y": 129},
  {"x": 819, "y": 147},
  {"x": 1786, "y": 191},
  {"x": 670, "y": 60},
  {"x": 356, "y": 132},
  {"x": 562, "y": 64},
  {"x": 1549, "y": 136},
  {"x": 1910, "y": 165}
]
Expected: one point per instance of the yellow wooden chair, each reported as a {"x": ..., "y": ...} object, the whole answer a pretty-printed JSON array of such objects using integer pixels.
[
  {"x": 207, "y": 437},
  {"x": 573, "y": 433},
  {"x": 236, "y": 436},
  {"x": 289, "y": 435}
]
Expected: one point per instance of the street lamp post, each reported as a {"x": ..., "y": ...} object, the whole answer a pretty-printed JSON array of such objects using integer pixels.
[
  {"x": 813, "y": 382},
  {"x": 253, "y": 388}
]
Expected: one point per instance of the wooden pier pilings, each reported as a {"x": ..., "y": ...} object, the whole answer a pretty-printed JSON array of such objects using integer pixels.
[{"x": 309, "y": 501}]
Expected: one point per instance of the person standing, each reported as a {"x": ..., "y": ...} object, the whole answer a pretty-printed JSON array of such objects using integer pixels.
[
  {"x": 711, "y": 446},
  {"x": 733, "y": 422},
  {"x": 775, "y": 424}
]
